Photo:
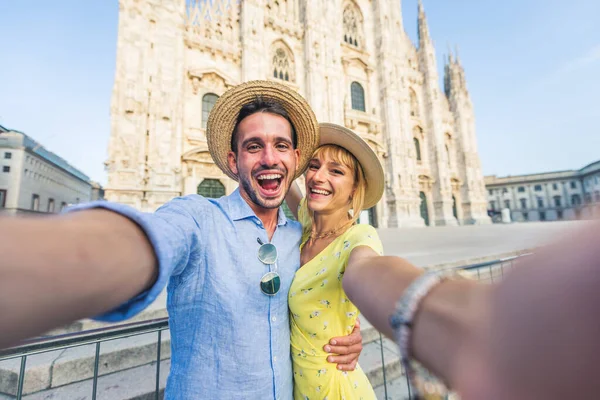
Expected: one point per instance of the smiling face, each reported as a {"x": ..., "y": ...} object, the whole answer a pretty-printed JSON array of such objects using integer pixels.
[
  {"x": 334, "y": 182},
  {"x": 265, "y": 161}
]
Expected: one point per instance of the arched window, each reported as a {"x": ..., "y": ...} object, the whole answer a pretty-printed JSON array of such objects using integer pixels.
[
  {"x": 417, "y": 148},
  {"x": 211, "y": 188},
  {"x": 358, "y": 96},
  {"x": 414, "y": 104},
  {"x": 283, "y": 63},
  {"x": 352, "y": 20},
  {"x": 208, "y": 102}
]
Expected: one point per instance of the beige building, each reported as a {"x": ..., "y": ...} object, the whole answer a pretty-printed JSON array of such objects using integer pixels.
[
  {"x": 547, "y": 196},
  {"x": 351, "y": 59},
  {"x": 33, "y": 179}
]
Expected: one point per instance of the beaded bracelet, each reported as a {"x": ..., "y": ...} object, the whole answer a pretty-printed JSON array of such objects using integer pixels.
[{"x": 424, "y": 385}]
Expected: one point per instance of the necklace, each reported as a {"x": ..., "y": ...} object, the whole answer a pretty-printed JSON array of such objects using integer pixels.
[{"x": 314, "y": 236}]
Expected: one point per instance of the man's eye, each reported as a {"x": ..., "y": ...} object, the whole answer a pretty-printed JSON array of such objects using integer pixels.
[
  {"x": 253, "y": 147},
  {"x": 283, "y": 146}
]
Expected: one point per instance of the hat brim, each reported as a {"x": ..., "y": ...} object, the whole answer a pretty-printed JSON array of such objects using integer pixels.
[
  {"x": 347, "y": 139},
  {"x": 224, "y": 114}
]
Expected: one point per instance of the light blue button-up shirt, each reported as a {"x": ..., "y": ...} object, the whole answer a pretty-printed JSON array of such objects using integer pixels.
[{"x": 228, "y": 339}]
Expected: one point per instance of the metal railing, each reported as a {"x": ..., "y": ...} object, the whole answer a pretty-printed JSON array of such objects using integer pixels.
[
  {"x": 393, "y": 385},
  {"x": 95, "y": 336}
]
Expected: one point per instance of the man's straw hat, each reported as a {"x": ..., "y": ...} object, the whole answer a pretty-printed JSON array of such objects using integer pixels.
[
  {"x": 347, "y": 139},
  {"x": 224, "y": 114}
]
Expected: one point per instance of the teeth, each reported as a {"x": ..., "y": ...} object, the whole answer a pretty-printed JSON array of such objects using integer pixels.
[
  {"x": 269, "y": 176},
  {"x": 319, "y": 191}
]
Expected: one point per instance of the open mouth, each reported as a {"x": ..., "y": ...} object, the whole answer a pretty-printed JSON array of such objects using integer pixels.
[
  {"x": 270, "y": 183},
  {"x": 319, "y": 193}
]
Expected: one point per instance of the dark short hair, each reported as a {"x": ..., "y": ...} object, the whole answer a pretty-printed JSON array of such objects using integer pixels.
[{"x": 262, "y": 105}]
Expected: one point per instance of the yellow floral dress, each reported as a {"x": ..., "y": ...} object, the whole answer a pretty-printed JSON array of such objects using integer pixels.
[{"x": 320, "y": 310}]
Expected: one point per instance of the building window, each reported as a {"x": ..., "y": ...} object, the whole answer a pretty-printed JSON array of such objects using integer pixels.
[
  {"x": 554, "y": 186},
  {"x": 358, "y": 96},
  {"x": 417, "y": 148},
  {"x": 352, "y": 20},
  {"x": 491, "y": 192},
  {"x": 540, "y": 202},
  {"x": 575, "y": 199},
  {"x": 493, "y": 205},
  {"x": 573, "y": 185},
  {"x": 523, "y": 203},
  {"x": 414, "y": 104},
  {"x": 504, "y": 190},
  {"x": 8, "y": 155},
  {"x": 63, "y": 205},
  {"x": 559, "y": 214},
  {"x": 283, "y": 63},
  {"x": 538, "y": 188},
  {"x": 521, "y": 189},
  {"x": 525, "y": 216},
  {"x": 557, "y": 201},
  {"x": 2, "y": 198},
  {"x": 542, "y": 215},
  {"x": 208, "y": 102},
  {"x": 211, "y": 188},
  {"x": 50, "y": 205},
  {"x": 5, "y": 168},
  {"x": 35, "y": 202},
  {"x": 507, "y": 204}
]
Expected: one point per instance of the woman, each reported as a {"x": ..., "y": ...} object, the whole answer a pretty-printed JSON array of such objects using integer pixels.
[{"x": 343, "y": 178}]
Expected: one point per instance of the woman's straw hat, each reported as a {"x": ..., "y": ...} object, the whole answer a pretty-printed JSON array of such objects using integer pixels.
[
  {"x": 224, "y": 114},
  {"x": 347, "y": 139}
]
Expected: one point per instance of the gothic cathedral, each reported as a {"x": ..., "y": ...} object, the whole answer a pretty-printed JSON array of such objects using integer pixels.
[{"x": 351, "y": 59}]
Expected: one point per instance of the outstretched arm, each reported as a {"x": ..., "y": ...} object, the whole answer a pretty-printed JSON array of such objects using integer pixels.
[
  {"x": 103, "y": 260},
  {"x": 293, "y": 198},
  {"x": 58, "y": 269}
]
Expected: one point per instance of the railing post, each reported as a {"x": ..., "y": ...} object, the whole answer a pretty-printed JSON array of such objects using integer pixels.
[
  {"x": 96, "y": 361},
  {"x": 21, "y": 378},
  {"x": 383, "y": 365},
  {"x": 158, "y": 364}
]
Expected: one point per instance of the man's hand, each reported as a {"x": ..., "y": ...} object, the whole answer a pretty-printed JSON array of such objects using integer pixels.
[{"x": 345, "y": 350}]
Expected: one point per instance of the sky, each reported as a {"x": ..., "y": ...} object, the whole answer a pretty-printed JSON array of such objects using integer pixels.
[{"x": 531, "y": 66}]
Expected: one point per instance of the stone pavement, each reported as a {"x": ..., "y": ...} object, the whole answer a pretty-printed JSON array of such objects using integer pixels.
[{"x": 467, "y": 244}]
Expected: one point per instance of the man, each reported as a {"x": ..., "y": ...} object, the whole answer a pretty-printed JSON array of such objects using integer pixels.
[{"x": 229, "y": 262}]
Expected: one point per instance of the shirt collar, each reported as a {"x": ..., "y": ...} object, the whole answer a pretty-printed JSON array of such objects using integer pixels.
[{"x": 240, "y": 209}]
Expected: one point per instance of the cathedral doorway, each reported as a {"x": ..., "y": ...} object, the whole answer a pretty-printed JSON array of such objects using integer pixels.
[
  {"x": 454, "y": 211},
  {"x": 211, "y": 189},
  {"x": 424, "y": 210}
]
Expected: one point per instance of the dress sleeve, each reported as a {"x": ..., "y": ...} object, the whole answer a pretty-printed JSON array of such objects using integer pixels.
[{"x": 363, "y": 235}]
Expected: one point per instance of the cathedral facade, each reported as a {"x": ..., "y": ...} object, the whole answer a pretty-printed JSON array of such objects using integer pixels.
[{"x": 352, "y": 61}]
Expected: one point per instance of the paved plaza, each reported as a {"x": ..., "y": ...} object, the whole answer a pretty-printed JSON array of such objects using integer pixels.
[{"x": 468, "y": 244}]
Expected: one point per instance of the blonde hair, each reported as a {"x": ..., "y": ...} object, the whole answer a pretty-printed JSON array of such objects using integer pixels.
[{"x": 344, "y": 157}]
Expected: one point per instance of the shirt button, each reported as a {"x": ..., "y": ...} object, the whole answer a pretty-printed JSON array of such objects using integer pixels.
[{"x": 274, "y": 319}]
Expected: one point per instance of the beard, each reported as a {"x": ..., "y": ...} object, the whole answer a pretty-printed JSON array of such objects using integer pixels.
[{"x": 256, "y": 198}]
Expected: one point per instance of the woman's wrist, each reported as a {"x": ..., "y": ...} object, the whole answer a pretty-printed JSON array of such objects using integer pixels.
[{"x": 448, "y": 326}]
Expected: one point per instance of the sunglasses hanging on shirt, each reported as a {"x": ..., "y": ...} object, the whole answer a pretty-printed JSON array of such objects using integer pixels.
[{"x": 271, "y": 281}]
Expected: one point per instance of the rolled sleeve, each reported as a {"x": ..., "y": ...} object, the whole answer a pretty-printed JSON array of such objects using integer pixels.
[{"x": 173, "y": 234}]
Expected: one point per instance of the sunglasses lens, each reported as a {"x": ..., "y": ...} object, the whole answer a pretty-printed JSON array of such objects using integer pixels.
[
  {"x": 270, "y": 283},
  {"x": 267, "y": 253}
]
